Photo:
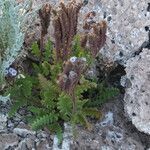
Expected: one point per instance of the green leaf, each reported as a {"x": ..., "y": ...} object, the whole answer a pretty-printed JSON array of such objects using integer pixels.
[
  {"x": 35, "y": 50},
  {"x": 55, "y": 70},
  {"x": 57, "y": 128},
  {"x": 44, "y": 83},
  {"x": 26, "y": 87},
  {"x": 92, "y": 112},
  {"x": 79, "y": 51},
  {"x": 59, "y": 134},
  {"x": 101, "y": 94},
  {"x": 36, "y": 110},
  {"x": 80, "y": 118},
  {"x": 18, "y": 104},
  {"x": 37, "y": 68},
  {"x": 76, "y": 47},
  {"x": 48, "y": 50},
  {"x": 46, "y": 68},
  {"x": 48, "y": 100},
  {"x": 45, "y": 120},
  {"x": 84, "y": 86},
  {"x": 81, "y": 103},
  {"x": 65, "y": 105}
]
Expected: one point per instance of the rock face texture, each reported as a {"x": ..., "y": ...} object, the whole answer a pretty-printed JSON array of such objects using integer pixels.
[
  {"x": 137, "y": 96},
  {"x": 3, "y": 120},
  {"x": 127, "y": 28},
  {"x": 7, "y": 140},
  {"x": 112, "y": 132}
]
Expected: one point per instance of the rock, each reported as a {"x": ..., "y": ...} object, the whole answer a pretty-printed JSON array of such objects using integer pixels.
[
  {"x": 17, "y": 118},
  {"x": 22, "y": 145},
  {"x": 22, "y": 125},
  {"x": 4, "y": 99},
  {"x": 108, "y": 120},
  {"x": 32, "y": 136},
  {"x": 7, "y": 140},
  {"x": 43, "y": 145},
  {"x": 95, "y": 144},
  {"x": 137, "y": 95},
  {"x": 106, "y": 147},
  {"x": 27, "y": 144},
  {"x": 23, "y": 132},
  {"x": 30, "y": 143},
  {"x": 67, "y": 136},
  {"x": 114, "y": 136},
  {"x": 3, "y": 122},
  {"x": 131, "y": 145},
  {"x": 42, "y": 134},
  {"x": 67, "y": 139},
  {"x": 10, "y": 124},
  {"x": 127, "y": 28}
]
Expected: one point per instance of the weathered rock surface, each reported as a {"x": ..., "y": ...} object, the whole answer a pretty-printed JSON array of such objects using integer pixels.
[
  {"x": 8, "y": 140},
  {"x": 3, "y": 122},
  {"x": 126, "y": 23},
  {"x": 43, "y": 145},
  {"x": 137, "y": 96},
  {"x": 118, "y": 134},
  {"x": 23, "y": 132},
  {"x": 22, "y": 145}
]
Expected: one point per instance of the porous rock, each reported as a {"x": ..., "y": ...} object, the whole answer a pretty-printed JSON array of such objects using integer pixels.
[
  {"x": 137, "y": 95},
  {"x": 30, "y": 143},
  {"x": 22, "y": 145},
  {"x": 23, "y": 132},
  {"x": 3, "y": 122},
  {"x": 43, "y": 145},
  {"x": 7, "y": 140}
]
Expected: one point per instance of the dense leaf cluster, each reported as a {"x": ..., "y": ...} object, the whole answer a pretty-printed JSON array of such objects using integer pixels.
[{"x": 40, "y": 93}]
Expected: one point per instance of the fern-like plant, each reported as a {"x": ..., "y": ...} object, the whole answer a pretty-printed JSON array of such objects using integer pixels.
[
  {"x": 42, "y": 95},
  {"x": 101, "y": 94},
  {"x": 53, "y": 91}
]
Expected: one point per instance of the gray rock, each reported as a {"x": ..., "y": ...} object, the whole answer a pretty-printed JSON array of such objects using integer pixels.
[
  {"x": 23, "y": 132},
  {"x": 30, "y": 143},
  {"x": 114, "y": 136},
  {"x": 22, "y": 145},
  {"x": 108, "y": 120},
  {"x": 7, "y": 140},
  {"x": 131, "y": 145},
  {"x": 105, "y": 147},
  {"x": 10, "y": 125},
  {"x": 31, "y": 136},
  {"x": 3, "y": 122},
  {"x": 4, "y": 99},
  {"x": 42, "y": 134},
  {"x": 17, "y": 118},
  {"x": 67, "y": 138},
  {"x": 137, "y": 96},
  {"x": 43, "y": 145}
]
